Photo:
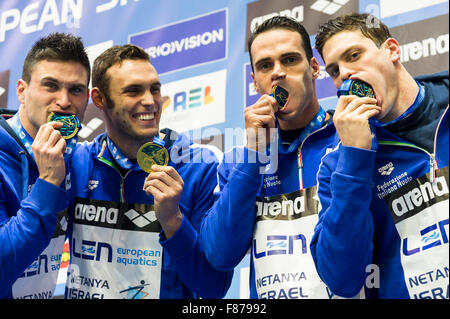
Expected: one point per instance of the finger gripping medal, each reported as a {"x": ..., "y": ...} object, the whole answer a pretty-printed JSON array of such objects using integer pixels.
[
  {"x": 152, "y": 153},
  {"x": 71, "y": 124},
  {"x": 280, "y": 95},
  {"x": 355, "y": 87},
  {"x": 360, "y": 89}
]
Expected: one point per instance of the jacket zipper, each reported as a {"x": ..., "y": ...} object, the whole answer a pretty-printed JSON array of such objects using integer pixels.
[
  {"x": 300, "y": 168},
  {"x": 111, "y": 164},
  {"x": 433, "y": 161},
  {"x": 433, "y": 164},
  {"x": 299, "y": 157}
]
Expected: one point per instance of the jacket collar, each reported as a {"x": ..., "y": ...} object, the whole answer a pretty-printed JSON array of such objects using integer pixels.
[{"x": 108, "y": 152}]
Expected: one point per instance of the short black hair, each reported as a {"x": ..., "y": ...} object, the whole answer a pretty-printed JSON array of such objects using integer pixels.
[
  {"x": 56, "y": 47},
  {"x": 281, "y": 22}
]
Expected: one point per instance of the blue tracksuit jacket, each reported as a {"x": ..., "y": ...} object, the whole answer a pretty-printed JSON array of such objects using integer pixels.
[
  {"x": 112, "y": 228},
  {"x": 384, "y": 217},
  {"x": 254, "y": 192},
  {"x": 28, "y": 222}
]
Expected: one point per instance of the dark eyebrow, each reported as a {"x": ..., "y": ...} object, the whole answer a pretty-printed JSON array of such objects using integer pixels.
[
  {"x": 284, "y": 55},
  {"x": 49, "y": 78},
  {"x": 287, "y": 54},
  {"x": 262, "y": 61},
  {"x": 131, "y": 86},
  {"x": 138, "y": 85}
]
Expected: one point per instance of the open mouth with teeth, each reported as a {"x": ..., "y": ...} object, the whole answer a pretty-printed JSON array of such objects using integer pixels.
[{"x": 144, "y": 116}]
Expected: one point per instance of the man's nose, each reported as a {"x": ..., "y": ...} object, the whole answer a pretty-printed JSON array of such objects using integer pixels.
[
  {"x": 345, "y": 72},
  {"x": 147, "y": 98},
  {"x": 63, "y": 99},
  {"x": 278, "y": 72}
]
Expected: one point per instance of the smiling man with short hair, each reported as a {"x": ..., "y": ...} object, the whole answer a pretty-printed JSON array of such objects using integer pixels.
[{"x": 136, "y": 231}]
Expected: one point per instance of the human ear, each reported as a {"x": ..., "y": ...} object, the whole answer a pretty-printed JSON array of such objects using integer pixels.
[
  {"x": 20, "y": 90},
  {"x": 98, "y": 98},
  {"x": 393, "y": 48},
  {"x": 255, "y": 84},
  {"x": 315, "y": 68}
]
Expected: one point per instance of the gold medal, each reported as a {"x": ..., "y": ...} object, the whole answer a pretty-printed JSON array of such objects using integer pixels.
[
  {"x": 355, "y": 87},
  {"x": 152, "y": 153},
  {"x": 280, "y": 95},
  {"x": 71, "y": 124}
]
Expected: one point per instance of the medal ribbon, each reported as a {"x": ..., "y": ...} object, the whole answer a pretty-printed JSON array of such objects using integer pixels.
[
  {"x": 313, "y": 125},
  {"x": 24, "y": 137},
  {"x": 120, "y": 158},
  {"x": 27, "y": 140}
]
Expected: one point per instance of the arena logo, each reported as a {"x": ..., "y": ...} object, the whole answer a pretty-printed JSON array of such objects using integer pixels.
[
  {"x": 427, "y": 47},
  {"x": 141, "y": 220},
  {"x": 386, "y": 169},
  {"x": 296, "y": 13},
  {"x": 328, "y": 7},
  {"x": 424, "y": 41},
  {"x": 311, "y": 13},
  {"x": 89, "y": 128},
  {"x": 186, "y": 43},
  {"x": 289, "y": 207},
  {"x": 421, "y": 197},
  {"x": 96, "y": 213},
  {"x": 32, "y": 18}
]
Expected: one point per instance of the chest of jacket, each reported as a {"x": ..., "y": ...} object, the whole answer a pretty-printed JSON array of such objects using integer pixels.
[{"x": 298, "y": 168}]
